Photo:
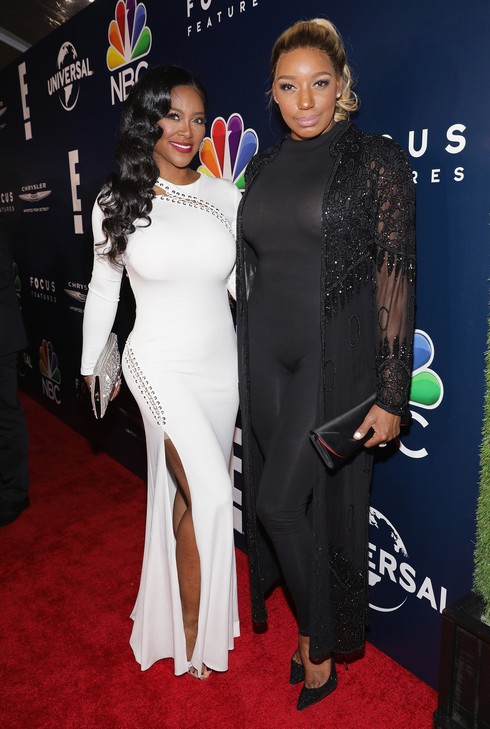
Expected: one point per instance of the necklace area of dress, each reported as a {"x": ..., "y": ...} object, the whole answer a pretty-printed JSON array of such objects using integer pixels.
[
  {"x": 173, "y": 189},
  {"x": 176, "y": 194}
]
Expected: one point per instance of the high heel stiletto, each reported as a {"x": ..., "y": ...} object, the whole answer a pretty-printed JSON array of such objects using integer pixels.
[
  {"x": 310, "y": 696},
  {"x": 297, "y": 673}
]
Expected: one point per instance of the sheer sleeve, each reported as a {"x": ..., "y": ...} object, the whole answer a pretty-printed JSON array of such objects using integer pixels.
[
  {"x": 102, "y": 299},
  {"x": 395, "y": 279}
]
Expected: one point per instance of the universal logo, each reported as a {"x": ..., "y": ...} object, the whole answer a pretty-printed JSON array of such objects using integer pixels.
[
  {"x": 77, "y": 292},
  {"x": 129, "y": 40},
  {"x": 3, "y": 111},
  {"x": 33, "y": 194},
  {"x": 50, "y": 372},
  {"x": 392, "y": 579},
  {"x": 43, "y": 289},
  {"x": 204, "y": 14},
  {"x": 6, "y": 202},
  {"x": 421, "y": 141},
  {"x": 67, "y": 79}
]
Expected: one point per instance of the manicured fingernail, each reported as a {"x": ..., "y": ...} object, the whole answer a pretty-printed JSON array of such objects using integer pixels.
[{"x": 357, "y": 435}]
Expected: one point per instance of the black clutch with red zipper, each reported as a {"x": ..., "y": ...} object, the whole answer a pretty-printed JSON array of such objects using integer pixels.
[{"x": 334, "y": 440}]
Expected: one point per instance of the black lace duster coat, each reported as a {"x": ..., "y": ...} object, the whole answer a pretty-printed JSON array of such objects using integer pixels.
[{"x": 367, "y": 313}]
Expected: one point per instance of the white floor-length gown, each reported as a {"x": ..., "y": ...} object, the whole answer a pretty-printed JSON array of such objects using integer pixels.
[{"x": 180, "y": 364}]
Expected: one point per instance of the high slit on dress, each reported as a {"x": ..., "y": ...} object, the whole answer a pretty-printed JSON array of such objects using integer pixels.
[{"x": 180, "y": 364}]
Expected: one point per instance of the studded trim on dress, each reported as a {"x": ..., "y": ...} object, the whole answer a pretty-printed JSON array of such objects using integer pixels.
[
  {"x": 192, "y": 201},
  {"x": 144, "y": 386}
]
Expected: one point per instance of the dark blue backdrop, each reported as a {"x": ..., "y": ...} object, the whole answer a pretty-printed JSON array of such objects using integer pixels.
[{"x": 422, "y": 74}]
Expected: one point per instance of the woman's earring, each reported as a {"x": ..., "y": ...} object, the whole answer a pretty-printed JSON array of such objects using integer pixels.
[{"x": 338, "y": 95}]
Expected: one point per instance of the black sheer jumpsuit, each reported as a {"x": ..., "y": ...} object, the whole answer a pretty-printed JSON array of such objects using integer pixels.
[{"x": 282, "y": 224}]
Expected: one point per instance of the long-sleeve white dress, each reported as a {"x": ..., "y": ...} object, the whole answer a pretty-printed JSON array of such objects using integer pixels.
[{"x": 180, "y": 364}]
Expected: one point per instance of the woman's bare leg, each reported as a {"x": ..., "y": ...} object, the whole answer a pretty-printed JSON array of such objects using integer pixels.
[{"x": 187, "y": 555}]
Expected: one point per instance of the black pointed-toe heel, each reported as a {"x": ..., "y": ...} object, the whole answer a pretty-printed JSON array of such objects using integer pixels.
[
  {"x": 297, "y": 673},
  {"x": 310, "y": 696}
]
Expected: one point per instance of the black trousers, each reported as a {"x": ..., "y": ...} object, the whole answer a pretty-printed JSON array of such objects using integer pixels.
[
  {"x": 284, "y": 401},
  {"x": 14, "y": 477}
]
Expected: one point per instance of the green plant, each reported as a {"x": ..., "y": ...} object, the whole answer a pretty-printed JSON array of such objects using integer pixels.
[{"x": 482, "y": 550}]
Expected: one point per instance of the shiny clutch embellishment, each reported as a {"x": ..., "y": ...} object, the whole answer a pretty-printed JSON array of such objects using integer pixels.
[{"x": 106, "y": 373}]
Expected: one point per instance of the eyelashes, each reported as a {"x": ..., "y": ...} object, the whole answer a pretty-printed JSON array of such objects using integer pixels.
[
  {"x": 175, "y": 116},
  {"x": 321, "y": 83}
]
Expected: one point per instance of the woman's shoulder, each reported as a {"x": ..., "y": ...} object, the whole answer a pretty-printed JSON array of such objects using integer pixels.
[
  {"x": 220, "y": 192},
  {"x": 377, "y": 146},
  {"x": 219, "y": 187},
  {"x": 258, "y": 160}
]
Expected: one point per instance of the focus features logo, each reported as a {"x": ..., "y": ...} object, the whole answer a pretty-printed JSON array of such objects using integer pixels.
[
  {"x": 6, "y": 202},
  {"x": 204, "y": 14},
  {"x": 452, "y": 143},
  {"x": 66, "y": 81},
  {"x": 34, "y": 194},
  {"x": 392, "y": 579},
  {"x": 43, "y": 289}
]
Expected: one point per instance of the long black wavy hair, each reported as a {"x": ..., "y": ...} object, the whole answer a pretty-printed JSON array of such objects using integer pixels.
[{"x": 128, "y": 195}]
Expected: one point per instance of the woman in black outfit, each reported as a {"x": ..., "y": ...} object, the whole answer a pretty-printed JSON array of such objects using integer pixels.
[{"x": 325, "y": 307}]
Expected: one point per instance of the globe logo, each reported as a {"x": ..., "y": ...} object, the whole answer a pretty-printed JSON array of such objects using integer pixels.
[
  {"x": 385, "y": 556},
  {"x": 68, "y": 94},
  {"x": 70, "y": 70},
  {"x": 392, "y": 579}
]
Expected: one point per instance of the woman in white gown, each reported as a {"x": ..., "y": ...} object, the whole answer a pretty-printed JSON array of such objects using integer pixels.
[{"x": 172, "y": 230}]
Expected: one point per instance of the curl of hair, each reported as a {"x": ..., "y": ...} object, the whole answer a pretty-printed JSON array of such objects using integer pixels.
[
  {"x": 322, "y": 35},
  {"x": 128, "y": 195}
]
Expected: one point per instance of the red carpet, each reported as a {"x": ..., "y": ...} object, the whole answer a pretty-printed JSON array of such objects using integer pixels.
[{"x": 69, "y": 574}]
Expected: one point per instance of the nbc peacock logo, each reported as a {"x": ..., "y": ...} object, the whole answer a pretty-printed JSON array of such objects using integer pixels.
[
  {"x": 50, "y": 373},
  {"x": 426, "y": 390},
  {"x": 229, "y": 149},
  {"x": 129, "y": 40},
  {"x": 129, "y": 36}
]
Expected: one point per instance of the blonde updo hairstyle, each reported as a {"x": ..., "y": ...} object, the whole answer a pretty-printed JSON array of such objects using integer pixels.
[{"x": 321, "y": 34}]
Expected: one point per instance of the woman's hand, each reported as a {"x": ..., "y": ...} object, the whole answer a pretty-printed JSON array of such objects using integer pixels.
[{"x": 385, "y": 425}]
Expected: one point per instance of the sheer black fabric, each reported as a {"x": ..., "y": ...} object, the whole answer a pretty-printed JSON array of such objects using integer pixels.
[{"x": 366, "y": 310}]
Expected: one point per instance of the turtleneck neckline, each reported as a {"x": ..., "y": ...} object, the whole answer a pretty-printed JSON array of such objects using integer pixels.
[{"x": 315, "y": 143}]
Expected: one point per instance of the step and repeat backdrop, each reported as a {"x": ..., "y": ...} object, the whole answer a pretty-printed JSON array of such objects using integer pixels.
[{"x": 422, "y": 72}]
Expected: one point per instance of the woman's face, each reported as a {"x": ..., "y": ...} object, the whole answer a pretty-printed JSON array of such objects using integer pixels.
[
  {"x": 305, "y": 88},
  {"x": 183, "y": 131}
]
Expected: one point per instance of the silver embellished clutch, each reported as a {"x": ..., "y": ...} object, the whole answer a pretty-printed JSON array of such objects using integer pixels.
[{"x": 106, "y": 373}]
